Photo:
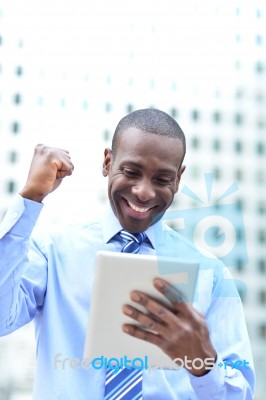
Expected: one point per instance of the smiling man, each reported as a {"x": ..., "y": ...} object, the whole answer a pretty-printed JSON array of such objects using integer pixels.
[
  {"x": 144, "y": 172},
  {"x": 48, "y": 277}
]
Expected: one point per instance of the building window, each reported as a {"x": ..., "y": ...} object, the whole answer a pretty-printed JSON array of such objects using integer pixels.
[
  {"x": 239, "y": 175},
  {"x": 238, "y": 38},
  {"x": 15, "y": 127},
  {"x": 239, "y": 265},
  {"x": 260, "y": 176},
  {"x": 129, "y": 108},
  {"x": 174, "y": 86},
  {"x": 242, "y": 293},
  {"x": 261, "y": 122},
  {"x": 259, "y": 39},
  {"x": 262, "y": 296},
  {"x": 195, "y": 115},
  {"x": 259, "y": 67},
  {"x": 195, "y": 142},
  {"x": 17, "y": 98},
  {"x": 11, "y": 186},
  {"x": 238, "y": 146},
  {"x": 19, "y": 71},
  {"x": 217, "y": 173},
  {"x": 262, "y": 207},
  {"x": 216, "y": 145},
  {"x": 13, "y": 157},
  {"x": 262, "y": 236},
  {"x": 174, "y": 112},
  {"x": 63, "y": 103},
  {"x": 239, "y": 204},
  {"x": 106, "y": 135},
  {"x": 259, "y": 96},
  {"x": 238, "y": 119},
  {"x": 262, "y": 331},
  {"x": 239, "y": 234},
  {"x": 239, "y": 93},
  {"x": 238, "y": 64},
  {"x": 108, "y": 107},
  {"x": 152, "y": 84},
  {"x": 85, "y": 104},
  {"x": 260, "y": 148},
  {"x": 258, "y": 13},
  {"x": 217, "y": 117},
  {"x": 195, "y": 171},
  {"x": 262, "y": 265}
]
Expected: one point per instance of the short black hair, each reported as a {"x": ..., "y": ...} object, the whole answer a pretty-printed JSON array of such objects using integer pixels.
[{"x": 152, "y": 121}]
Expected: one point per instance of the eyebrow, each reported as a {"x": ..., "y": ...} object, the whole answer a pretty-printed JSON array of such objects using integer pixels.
[{"x": 139, "y": 166}]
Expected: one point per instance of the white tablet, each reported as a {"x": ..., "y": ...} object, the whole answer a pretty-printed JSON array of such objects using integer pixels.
[{"x": 116, "y": 275}]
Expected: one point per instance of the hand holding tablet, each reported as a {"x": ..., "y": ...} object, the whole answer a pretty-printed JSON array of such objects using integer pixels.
[{"x": 156, "y": 316}]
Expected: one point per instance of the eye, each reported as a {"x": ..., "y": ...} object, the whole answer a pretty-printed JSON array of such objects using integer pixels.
[
  {"x": 130, "y": 173},
  {"x": 164, "y": 180}
]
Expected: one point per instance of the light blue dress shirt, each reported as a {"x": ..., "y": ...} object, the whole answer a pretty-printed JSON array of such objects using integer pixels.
[{"x": 48, "y": 278}]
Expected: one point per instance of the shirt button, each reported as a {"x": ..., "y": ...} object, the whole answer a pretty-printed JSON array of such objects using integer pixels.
[{"x": 14, "y": 215}]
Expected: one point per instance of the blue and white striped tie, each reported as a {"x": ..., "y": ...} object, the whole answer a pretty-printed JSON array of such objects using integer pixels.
[
  {"x": 132, "y": 241},
  {"x": 126, "y": 384}
]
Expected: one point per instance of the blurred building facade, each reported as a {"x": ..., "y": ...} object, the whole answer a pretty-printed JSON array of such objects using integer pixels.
[{"x": 51, "y": 92}]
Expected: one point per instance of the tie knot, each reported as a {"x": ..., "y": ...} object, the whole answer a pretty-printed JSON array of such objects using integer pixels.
[{"x": 132, "y": 241}]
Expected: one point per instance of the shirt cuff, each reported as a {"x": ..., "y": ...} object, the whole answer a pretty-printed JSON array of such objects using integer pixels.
[
  {"x": 210, "y": 384},
  {"x": 20, "y": 217}
]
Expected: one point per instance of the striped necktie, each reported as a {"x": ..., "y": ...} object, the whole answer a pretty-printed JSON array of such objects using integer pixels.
[
  {"x": 126, "y": 384},
  {"x": 132, "y": 241}
]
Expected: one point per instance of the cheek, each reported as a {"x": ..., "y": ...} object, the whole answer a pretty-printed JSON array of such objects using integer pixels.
[
  {"x": 167, "y": 194},
  {"x": 117, "y": 183}
]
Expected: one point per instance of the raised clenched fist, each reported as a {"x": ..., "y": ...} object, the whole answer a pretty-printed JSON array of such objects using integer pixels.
[{"x": 48, "y": 167}]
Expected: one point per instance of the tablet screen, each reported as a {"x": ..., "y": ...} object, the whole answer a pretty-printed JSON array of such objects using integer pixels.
[{"x": 116, "y": 275}]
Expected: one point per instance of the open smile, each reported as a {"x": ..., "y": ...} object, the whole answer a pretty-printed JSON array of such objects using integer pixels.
[{"x": 136, "y": 210}]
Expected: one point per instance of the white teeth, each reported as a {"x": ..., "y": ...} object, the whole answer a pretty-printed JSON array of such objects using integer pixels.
[{"x": 138, "y": 209}]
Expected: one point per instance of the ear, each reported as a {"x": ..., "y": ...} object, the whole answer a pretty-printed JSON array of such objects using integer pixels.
[
  {"x": 178, "y": 177},
  {"x": 107, "y": 161}
]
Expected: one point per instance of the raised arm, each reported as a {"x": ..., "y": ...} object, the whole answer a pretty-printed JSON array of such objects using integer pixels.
[{"x": 23, "y": 266}]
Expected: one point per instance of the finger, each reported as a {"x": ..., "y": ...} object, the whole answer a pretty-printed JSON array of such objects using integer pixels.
[
  {"x": 66, "y": 168},
  {"x": 142, "y": 334},
  {"x": 145, "y": 320},
  {"x": 60, "y": 149},
  {"x": 174, "y": 295},
  {"x": 160, "y": 311}
]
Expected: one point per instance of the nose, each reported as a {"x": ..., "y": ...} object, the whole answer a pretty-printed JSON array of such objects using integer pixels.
[{"x": 144, "y": 191}]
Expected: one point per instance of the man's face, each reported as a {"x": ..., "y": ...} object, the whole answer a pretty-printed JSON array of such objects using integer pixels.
[{"x": 143, "y": 177}]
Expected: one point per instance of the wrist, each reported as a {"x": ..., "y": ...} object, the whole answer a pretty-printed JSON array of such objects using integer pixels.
[
  {"x": 201, "y": 367},
  {"x": 30, "y": 194}
]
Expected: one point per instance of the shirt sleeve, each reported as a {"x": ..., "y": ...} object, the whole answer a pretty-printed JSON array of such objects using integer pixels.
[
  {"x": 233, "y": 374},
  {"x": 23, "y": 267}
]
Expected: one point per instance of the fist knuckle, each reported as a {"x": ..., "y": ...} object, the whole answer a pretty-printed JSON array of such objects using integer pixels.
[
  {"x": 151, "y": 324},
  {"x": 38, "y": 148},
  {"x": 144, "y": 336},
  {"x": 161, "y": 311}
]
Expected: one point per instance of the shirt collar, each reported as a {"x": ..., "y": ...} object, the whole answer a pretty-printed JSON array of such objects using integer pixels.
[{"x": 111, "y": 227}]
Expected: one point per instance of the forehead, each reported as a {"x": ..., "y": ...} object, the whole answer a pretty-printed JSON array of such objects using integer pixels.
[{"x": 138, "y": 145}]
